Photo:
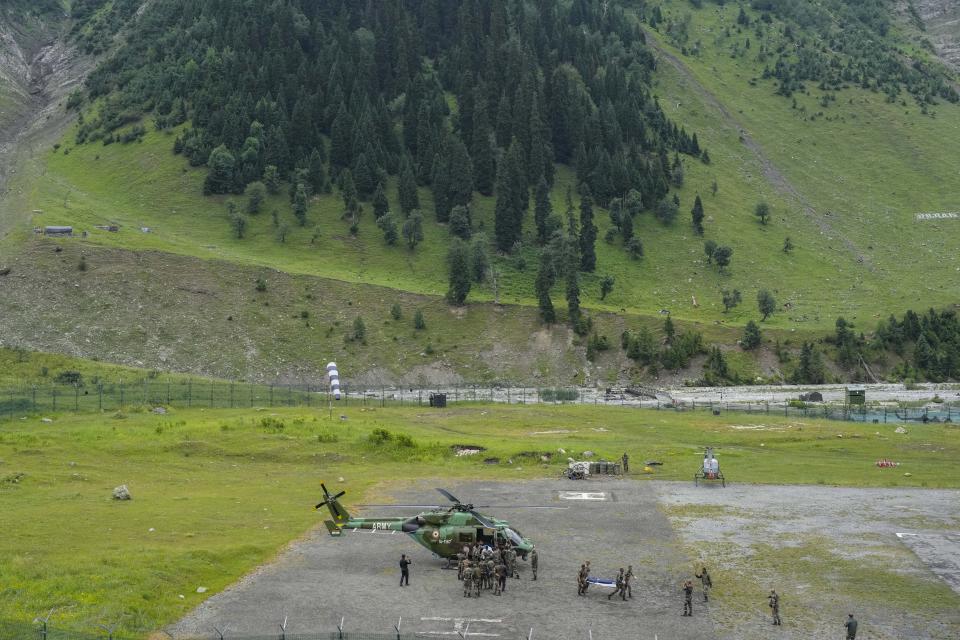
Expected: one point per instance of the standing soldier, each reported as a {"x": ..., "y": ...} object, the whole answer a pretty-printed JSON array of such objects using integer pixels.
[
  {"x": 534, "y": 559},
  {"x": 774, "y": 601},
  {"x": 404, "y": 570},
  {"x": 582, "y": 580},
  {"x": 628, "y": 576},
  {"x": 478, "y": 578},
  {"x": 851, "y": 625},
  {"x": 688, "y": 598},
  {"x": 626, "y": 462},
  {"x": 706, "y": 582},
  {"x": 467, "y": 578},
  {"x": 488, "y": 574},
  {"x": 461, "y": 559},
  {"x": 512, "y": 563},
  {"x": 501, "y": 577}
]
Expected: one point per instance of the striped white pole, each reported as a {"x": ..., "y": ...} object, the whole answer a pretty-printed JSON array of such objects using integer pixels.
[{"x": 334, "y": 377}]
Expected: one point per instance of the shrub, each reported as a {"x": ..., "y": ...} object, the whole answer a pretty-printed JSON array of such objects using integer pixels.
[{"x": 272, "y": 425}]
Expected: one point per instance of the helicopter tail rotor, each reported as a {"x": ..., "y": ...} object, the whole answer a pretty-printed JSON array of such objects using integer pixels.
[{"x": 339, "y": 514}]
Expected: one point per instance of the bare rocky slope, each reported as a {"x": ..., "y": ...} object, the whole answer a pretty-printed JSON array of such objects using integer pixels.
[
  {"x": 942, "y": 21},
  {"x": 38, "y": 69}
]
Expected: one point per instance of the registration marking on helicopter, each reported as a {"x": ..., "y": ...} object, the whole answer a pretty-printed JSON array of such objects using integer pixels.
[
  {"x": 583, "y": 495},
  {"x": 461, "y": 627}
]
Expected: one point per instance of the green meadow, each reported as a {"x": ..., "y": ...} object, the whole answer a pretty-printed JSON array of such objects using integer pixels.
[{"x": 217, "y": 492}]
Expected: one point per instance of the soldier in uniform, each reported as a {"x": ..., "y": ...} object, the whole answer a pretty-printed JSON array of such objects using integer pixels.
[
  {"x": 534, "y": 559},
  {"x": 461, "y": 559},
  {"x": 851, "y": 625},
  {"x": 620, "y": 590},
  {"x": 582, "y": 580},
  {"x": 627, "y": 577},
  {"x": 488, "y": 574},
  {"x": 774, "y": 602},
  {"x": 688, "y": 598},
  {"x": 467, "y": 578},
  {"x": 512, "y": 563},
  {"x": 501, "y": 577},
  {"x": 706, "y": 582},
  {"x": 626, "y": 462},
  {"x": 478, "y": 578}
]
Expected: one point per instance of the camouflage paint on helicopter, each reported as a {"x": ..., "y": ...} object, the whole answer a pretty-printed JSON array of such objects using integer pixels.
[{"x": 444, "y": 530}]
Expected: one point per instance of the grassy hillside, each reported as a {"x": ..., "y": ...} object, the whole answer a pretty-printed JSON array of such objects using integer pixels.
[
  {"x": 845, "y": 186},
  {"x": 196, "y": 519}
]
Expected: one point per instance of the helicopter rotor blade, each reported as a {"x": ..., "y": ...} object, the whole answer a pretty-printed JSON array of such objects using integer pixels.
[
  {"x": 516, "y": 506},
  {"x": 449, "y": 495},
  {"x": 482, "y": 519},
  {"x": 404, "y": 506}
]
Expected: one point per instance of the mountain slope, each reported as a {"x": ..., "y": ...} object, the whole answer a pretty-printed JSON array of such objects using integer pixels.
[{"x": 844, "y": 168}]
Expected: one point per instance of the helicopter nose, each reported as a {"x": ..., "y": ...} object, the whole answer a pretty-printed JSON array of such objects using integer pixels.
[{"x": 410, "y": 525}]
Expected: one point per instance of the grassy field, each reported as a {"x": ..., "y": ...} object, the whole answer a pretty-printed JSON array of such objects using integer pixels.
[{"x": 217, "y": 492}]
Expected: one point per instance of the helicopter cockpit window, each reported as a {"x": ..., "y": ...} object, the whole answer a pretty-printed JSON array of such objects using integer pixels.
[{"x": 513, "y": 535}]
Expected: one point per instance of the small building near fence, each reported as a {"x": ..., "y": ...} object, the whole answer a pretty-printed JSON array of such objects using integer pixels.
[
  {"x": 856, "y": 395},
  {"x": 56, "y": 231},
  {"x": 813, "y": 396}
]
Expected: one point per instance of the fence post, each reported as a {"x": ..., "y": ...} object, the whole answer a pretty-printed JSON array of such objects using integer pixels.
[{"x": 271, "y": 395}]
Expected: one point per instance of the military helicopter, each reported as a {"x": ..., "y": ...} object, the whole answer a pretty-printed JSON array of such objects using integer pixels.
[{"x": 443, "y": 529}]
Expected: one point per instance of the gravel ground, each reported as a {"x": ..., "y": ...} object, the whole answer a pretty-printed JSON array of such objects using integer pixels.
[
  {"x": 321, "y": 579},
  {"x": 910, "y": 534},
  {"x": 662, "y": 529}
]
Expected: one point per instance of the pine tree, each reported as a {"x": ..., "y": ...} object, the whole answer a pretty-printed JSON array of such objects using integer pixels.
[
  {"x": 542, "y": 285},
  {"x": 380, "y": 204},
  {"x": 482, "y": 151},
  {"x": 364, "y": 177},
  {"x": 300, "y": 205},
  {"x": 542, "y": 210},
  {"x": 606, "y": 286},
  {"x": 512, "y": 197},
  {"x": 697, "y": 214},
  {"x": 708, "y": 248},
  {"x": 388, "y": 224},
  {"x": 316, "y": 174},
  {"x": 348, "y": 192},
  {"x": 479, "y": 258},
  {"x": 751, "y": 336},
  {"x": 588, "y": 235},
  {"x": 413, "y": 229},
  {"x": 256, "y": 194},
  {"x": 407, "y": 188},
  {"x": 460, "y": 222},
  {"x": 453, "y": 179},
  {"x": 341, "y": 139},
  {"x": 459, "y": 272},
  {"x": 626, "y": 227},
  {"x": 669, "y": 330}
]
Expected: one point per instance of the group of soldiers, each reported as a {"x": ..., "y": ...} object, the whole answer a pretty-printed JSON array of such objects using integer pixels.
[
  {"x": 623, "y": 588},
  {"x": 484, "y": 567},
  {"x": 706, "y": 583}
]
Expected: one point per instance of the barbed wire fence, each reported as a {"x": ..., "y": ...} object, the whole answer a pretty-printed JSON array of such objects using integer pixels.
[
  {"x": 43, "y": 629},
  {"x": 152, "y": 394}
]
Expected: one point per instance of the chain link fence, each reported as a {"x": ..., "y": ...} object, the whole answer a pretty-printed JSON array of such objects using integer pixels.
[{"x": 149, "y": 394}]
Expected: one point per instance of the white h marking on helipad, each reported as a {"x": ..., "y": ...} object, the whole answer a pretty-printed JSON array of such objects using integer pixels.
[
  {"x": 461, "y": 627},
  {"x": 583, "y": 495}
]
